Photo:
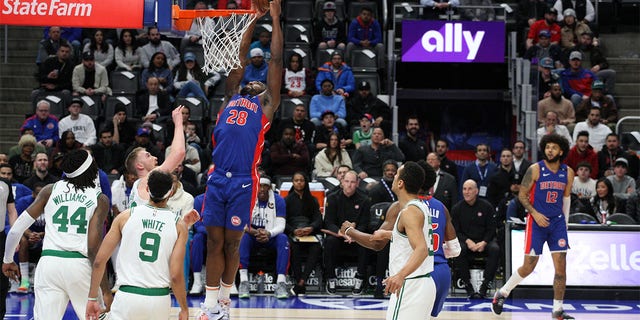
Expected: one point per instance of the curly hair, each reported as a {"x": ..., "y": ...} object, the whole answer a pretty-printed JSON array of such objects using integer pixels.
[
  {"x": 557, "y": 139},
  {"x": 71, "y": 162}
]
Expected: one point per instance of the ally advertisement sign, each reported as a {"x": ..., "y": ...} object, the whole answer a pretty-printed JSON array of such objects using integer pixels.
[{"x": 453, "y": 41}]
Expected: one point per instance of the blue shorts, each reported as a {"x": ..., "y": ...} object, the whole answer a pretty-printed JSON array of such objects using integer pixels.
[
  {"x": 442, "y": 277},
  {"x": 229, "y": 200},
  {"x": 555, "y": 235}
]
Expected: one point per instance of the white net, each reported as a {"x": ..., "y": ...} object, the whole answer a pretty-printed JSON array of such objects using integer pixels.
[{"x": 221, "y": 37}]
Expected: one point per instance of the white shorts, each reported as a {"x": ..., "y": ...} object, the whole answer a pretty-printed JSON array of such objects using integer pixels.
[
  {"x": 58, "y": 280},
  {"x": 415, "y": 300},
  {"x": 131, "y": 306}
]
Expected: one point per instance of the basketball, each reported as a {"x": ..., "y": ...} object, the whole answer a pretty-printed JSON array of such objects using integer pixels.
[{"x": 261, "y": 5}]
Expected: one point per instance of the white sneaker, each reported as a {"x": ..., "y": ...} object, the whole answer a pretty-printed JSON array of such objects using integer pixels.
[
  {"x": 234, "y": 290},
  {"x": 14, "y": 285},
  {"x": 205, "y": 313},
  {"x": 196, "y": 289}
]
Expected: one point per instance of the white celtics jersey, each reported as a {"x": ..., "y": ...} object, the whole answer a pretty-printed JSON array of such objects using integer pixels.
[
  {"x": 148, "y": 238},
  {"x": 67, "y": 215},
  {"x": 134, "y": 196},
  {"x": 400, "y": 249}
]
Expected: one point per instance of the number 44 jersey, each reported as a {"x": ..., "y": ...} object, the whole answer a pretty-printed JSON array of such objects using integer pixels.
[
  {"x": 67, "y": 215},
  {"x": 148, "y": 238}
]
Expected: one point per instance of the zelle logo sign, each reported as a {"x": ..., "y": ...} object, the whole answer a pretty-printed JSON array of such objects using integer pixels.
[{"x": 462, "y": 41}]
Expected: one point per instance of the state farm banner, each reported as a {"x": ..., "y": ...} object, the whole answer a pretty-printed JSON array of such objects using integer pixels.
[
  {"x": 73, "y": 13},
  {"x": 452, "y": 41}
]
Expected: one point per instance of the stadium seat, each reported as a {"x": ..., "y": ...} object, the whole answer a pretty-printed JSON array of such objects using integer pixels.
[
  {"x": 295, "y": 11},
  {"x": 92, "y": 106},
  {"x": 377, "y": 214},
  {"x": 214, "y": 107},
  {"x": 111, "y": 102},
  {"x": 298, "y": 32},
  {"x": 124, "y": 82},
  {"x": 621, "y": 218},
  {"x": 354, "y": 9},
  {"x": 580, "y": 217},
  {"x": 197, "y": 107},
  {"x": 363, "y": 60},
  {"x": 301, "y": 48},
  {"x": 57, "y": 106}
]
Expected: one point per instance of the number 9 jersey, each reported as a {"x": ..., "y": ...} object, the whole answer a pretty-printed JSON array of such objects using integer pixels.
[
  {"x": 67, "y": 215},
  {"x": 238, "y": 137}
]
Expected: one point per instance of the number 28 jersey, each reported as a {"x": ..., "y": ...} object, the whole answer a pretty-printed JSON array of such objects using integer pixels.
[
  {"x": 67, "y": 215},
  {"x": 238, "y": 137},
  {"x": 546, "y": 196}
]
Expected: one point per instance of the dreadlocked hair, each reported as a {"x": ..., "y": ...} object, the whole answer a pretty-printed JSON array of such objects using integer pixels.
[
  {"x": 160, "y": 183},
  {"x": 71, "y": 162}
]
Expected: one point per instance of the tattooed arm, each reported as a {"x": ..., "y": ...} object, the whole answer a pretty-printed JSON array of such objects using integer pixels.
[{"x": 528, "y": 182}]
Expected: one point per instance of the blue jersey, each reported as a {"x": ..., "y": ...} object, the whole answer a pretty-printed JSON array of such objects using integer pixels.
[
  {"x": 238, "y": 137},
  {"x": 438, "y": 224},
  {"x": 546, "y": 196}
]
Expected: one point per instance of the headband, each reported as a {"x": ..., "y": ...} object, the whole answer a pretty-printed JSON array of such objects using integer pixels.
[
  {"x": 265, "y": 181},
  {"x": 166, "y": 195},
  {"x": 85, "y": 165}
]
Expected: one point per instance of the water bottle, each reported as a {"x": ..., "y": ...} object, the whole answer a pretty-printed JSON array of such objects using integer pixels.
[{"x": 260, "y": 282}]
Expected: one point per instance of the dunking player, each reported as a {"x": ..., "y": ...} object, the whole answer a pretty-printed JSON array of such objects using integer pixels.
[
  {"x": 442, "y": 230},
  {"x": 151, "y": 262},
  {"x": 549, "y": 184},
  {"x": 74, "y": 212},
  {"x": 232, "y": 186}
]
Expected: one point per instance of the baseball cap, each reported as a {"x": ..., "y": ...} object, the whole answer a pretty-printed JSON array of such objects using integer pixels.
[
  {"x": 544, "y": 33},
  {"x": 367, "y": 116},
  {"x": 364, "y": 85},
  {"x": 597, "y": 85},
  {"x": 76, "y": 100},
  {"x": 143, "y": 132},
  {"x": 575, "y": 55},
  {"x": 569, "y": 13},
  {"x": 256, "y": 52},
  {"x": 326, "y": 112},
  {"x": 546, "y": 62},
  {"x": 329, "y": 5},
  {"x": 189, "y": 56},
  {"x": 623, "y": 161},
  {"x": 551, "y": 10},
  {"x": 88, "y": 56}
]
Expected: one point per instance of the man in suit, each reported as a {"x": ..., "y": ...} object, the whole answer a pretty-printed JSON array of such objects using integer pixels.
[
  {"x": 152, "y": 103},
  {"x": 445, "y": 188}
]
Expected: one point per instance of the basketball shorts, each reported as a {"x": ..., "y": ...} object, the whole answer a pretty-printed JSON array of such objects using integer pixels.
[
  {"x": 414, "y": 301},
  {"x": 555, "y": 235},
  {"x": 442, "y": 277},
  {"x": 131, "y": 306},
  {"x": 58, "y": 280},
  {"x": 229, "y": 200}
]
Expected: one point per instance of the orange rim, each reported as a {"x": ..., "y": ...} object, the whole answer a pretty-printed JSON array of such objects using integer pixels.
[{"x": 183, "y": 18}]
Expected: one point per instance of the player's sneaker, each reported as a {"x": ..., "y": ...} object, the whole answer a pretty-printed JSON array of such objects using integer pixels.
[
  {"x": 331, "y": 286},
  {"x": 281, "y": 291},
  {"x": 224, "y": 305},
  {"x": 243, "y": 290},
  {"x": 298, "y": 290},
  {"x": 560, "y": 315},
  {"x": 24, "y": 287},
  {"x": 205, "y": 313},
  {"x": 357, "y": 286},
  {"x": 497, "y": 303}
]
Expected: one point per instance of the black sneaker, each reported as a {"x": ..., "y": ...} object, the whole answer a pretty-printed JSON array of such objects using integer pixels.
[
  {"x": 560, "y": 315},
  {"x": 357, "y": 287},
  {"x": 497, "y": 303},
  {"x": 331, "y": 286},
  {"x": 298, "y": 290}
]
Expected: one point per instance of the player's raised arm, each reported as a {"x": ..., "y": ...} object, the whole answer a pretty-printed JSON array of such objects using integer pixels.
[
  {"x": 176, "y": 155},
  {"x": 274, "y": 75}
]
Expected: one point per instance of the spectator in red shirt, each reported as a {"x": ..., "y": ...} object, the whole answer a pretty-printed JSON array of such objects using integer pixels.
[
  {"x": 583, "y": 152},
  {"x": 548, "y": 23}
]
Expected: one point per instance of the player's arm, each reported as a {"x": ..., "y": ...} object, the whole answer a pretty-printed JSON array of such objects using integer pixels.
[
  {"x": 451, "y": 244},
  {"x": 566, "y": 199},
  {"x": 364, "y": 239},
  {"x": 99, "y": 264},
  {"x": 176, "y": 268},
  {"x": 274, "y": 75},
  {"x": 176, "y": 155},
  {"x": 21, "y": 224},
  {"x": 95, "y": 237},
  {"x": 528, "y": 181}
]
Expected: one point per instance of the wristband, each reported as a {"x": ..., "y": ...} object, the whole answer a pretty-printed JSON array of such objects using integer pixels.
[
  {"x": 347, "y": 231},
  {"x": 92, "y": 299}
]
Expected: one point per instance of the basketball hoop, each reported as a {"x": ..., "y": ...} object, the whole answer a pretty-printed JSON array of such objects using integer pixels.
[{"x": 221, "y": 31}]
